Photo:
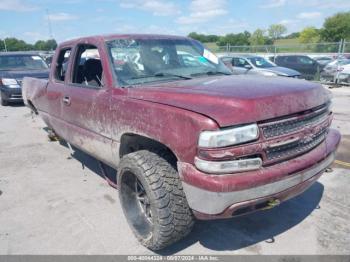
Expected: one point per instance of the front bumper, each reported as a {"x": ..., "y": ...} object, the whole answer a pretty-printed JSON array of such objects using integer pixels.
[
  {"x": 220, "y": 196},
  {"x": 11, "y": 94}
]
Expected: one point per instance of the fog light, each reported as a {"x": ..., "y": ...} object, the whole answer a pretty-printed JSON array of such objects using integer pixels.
[{"x": 226, "y": 167}]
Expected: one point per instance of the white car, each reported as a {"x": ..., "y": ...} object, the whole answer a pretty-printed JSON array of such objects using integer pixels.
[
  {"x": 344, "y": 74},
  {"x": 334, "y": 69}
]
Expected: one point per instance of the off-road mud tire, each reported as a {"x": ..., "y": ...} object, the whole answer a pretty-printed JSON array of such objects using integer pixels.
[
  {"x": 3, "y": 102},
  {"x": 171, "y": 218}
]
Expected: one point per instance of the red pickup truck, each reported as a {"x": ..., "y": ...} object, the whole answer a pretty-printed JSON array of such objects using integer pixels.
[{"x": 188, "y": 139}]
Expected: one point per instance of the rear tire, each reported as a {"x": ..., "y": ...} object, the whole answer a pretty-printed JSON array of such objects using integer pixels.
[{"x": 153, "y": 200}]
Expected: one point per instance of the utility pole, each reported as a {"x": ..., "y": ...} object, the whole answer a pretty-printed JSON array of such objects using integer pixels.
[
  {"x": 5, "y": 44},
  {"x": 49, "y": 24}
]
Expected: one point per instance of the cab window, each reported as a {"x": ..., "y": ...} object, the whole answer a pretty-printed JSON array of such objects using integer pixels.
[{"x": 87, "y": 70}]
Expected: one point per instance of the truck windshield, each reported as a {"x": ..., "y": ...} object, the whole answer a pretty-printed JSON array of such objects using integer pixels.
[
  {"x": 22, "y": 62},
  {"x": 140, "y": 61},
  {"x": 261, "y": 62}
]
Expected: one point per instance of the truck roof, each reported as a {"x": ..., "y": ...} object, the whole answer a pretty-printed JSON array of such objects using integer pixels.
[{"x": 115, "y": 36}]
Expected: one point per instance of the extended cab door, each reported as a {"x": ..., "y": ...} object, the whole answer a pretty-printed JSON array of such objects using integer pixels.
[
  {"x": 56, "y": 88},
  {"x": 86, "y": 100}
]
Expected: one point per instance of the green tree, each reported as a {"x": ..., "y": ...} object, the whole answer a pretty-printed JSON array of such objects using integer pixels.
[
  {"x": 276, "y": 31},
  {"x": 14, "y": 44},
  {"x": 258, "y": 37},
  {"x": 212, "y": 38},
  {"x": 40, "y": 45},
  {"x": 292, "y": 35},
  {"x": 48, "y": 45},
  {"x": 204, "y": 38},
  {"x": 336, "y": 27},
  {"x": 235, "y": 39},
  {"x": 309, "y": 35},
  {"x": 195, "y": 36}
]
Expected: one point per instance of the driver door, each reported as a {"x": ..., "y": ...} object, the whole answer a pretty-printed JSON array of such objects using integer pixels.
[{"x": 86, "y": 107}]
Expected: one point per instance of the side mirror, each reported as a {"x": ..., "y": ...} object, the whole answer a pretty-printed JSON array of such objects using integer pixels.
[{"x": 248, "y": 67}]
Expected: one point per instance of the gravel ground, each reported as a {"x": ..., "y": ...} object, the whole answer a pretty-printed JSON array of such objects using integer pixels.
[{"x": 51, "y": 203}]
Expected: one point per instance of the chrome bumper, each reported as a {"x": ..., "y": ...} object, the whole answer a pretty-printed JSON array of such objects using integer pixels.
[{"x": 213, "y": 203}]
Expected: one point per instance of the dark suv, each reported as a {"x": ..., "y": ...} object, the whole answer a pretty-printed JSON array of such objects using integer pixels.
[{"x": 307, "y": 66}]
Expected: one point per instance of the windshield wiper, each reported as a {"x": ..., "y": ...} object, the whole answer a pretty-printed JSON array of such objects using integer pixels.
[
  {"x": 157, "y": 74},
  {"x": 161, "y": 74}
]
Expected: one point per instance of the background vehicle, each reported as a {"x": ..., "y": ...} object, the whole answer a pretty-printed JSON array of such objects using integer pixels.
[
  {"x": 333, "y": 69},
  {"x": 344, "y": 74},
  {"x": 13, "y": 67},
  {"x": 323, "y": 60},
  {"x": 249, "y": 64},
  {"x": 307, "y": 66},
  {"x": 188, "y": 140}
]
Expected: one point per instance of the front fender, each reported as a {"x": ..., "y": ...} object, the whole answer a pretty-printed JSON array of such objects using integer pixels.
[{"x": 176, "y": 128}]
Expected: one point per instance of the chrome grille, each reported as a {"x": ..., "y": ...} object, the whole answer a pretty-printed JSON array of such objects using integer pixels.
[
  {"x": 294, "y": 124},
  {"x": 296, "y": 147},
  {"x": 16, "y": 96}
]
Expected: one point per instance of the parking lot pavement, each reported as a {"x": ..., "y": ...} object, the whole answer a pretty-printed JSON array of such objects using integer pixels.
[{"x": 53, "y": 204}]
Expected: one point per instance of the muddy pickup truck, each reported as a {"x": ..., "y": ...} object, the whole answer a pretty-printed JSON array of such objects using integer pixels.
[{"x": 188, "y": 139}]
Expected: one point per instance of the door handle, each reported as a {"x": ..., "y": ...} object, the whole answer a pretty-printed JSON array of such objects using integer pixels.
[{"x": 66, "y": 100}]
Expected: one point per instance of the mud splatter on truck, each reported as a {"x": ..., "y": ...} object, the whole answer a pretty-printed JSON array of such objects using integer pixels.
[{"x": 189, "y": 140}]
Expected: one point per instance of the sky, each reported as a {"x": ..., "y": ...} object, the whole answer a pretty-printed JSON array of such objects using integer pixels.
[{"x": 28, "y": 19}]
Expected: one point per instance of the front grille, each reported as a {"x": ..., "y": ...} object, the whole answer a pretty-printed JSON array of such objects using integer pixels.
[
  {"x": 294, "y": 124},
  {"x": 294, "y": 135},
  {"x": 296, "y": 147},
  {"x": 16, "y": 96}
]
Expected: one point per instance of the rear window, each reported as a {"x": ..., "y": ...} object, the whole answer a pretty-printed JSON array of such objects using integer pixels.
[
  {"x": 291, "y": 59},
  {"x": 22, "y": 62},
  {"x": 305, "y": 60},
  {"x": 62, "y": 64}
]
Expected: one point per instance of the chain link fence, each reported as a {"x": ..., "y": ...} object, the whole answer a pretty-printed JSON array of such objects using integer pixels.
[
  {"x": 330, "y": 62},
  {"x": 286, "y": 48}
]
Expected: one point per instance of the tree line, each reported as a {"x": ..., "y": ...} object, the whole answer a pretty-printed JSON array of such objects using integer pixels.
[
  {"x": 335, "y": 28},
  {"x": 14, "y": 44}
]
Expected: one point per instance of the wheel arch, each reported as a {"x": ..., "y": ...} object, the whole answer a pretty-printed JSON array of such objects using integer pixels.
[{"x": 131, "y": 142}]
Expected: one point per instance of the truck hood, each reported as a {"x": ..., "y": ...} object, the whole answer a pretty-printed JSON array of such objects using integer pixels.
[
  {"x": 232, "y": 100},
  {"x": 282, "y": 71}
]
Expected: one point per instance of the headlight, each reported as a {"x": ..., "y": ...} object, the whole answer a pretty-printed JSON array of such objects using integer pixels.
[
  {"x": 10, "y": 82},
  {"x": 228, "y": 137},
  {"x": 226, "y": 167}
]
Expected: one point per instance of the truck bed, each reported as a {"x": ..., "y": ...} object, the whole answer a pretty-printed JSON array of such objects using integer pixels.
[{"x": 32, "y": 90}]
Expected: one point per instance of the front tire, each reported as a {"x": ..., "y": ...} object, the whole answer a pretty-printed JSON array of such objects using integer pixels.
[
  {"x": 152, "y": 199},
  {"x": 3, "y": 101}
]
